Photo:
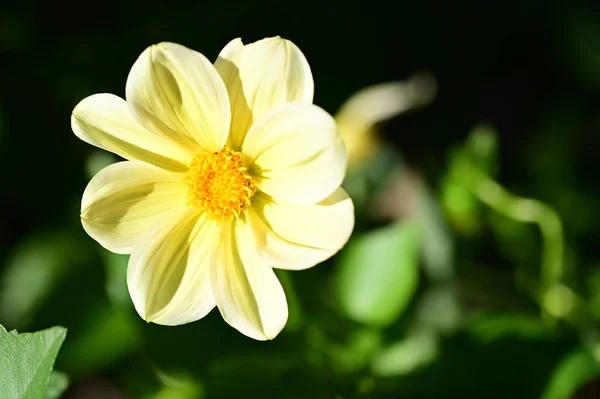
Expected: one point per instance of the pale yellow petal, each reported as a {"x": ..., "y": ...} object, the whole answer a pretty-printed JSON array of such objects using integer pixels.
[
  {"x": 168, "y": 274},
  {"x": 247, "y": 292},
  {"x": 177, "y": 93},
  {"x": 298, "y": 236},
  {"x": 260, "y": 76},
  {"x": 104, "y": 120},
  {"x": 296, "y": 154},
  {"x": 125, "y": 199}
]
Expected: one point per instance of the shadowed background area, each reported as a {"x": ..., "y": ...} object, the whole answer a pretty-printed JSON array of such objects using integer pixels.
[{"x": 487, "y": 295}]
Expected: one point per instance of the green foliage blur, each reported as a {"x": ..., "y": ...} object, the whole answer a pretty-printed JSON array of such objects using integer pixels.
[{"x": 473, "y": 270}]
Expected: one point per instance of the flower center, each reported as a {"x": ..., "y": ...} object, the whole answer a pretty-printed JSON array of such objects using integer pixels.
[{"x": 219, "y": 183}]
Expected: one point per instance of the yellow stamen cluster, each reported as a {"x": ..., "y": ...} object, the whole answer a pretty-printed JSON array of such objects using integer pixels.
[{"x": 219, "y": 183}]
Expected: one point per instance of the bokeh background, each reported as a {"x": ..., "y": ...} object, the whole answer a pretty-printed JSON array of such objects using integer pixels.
[{"x": 454, "y": 285}]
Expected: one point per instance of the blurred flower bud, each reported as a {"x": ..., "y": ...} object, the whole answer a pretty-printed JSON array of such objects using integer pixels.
[{"x": 359, "y": 116}]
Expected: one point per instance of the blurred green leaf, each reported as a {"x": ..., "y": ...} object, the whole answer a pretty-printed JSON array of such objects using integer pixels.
[
  {"x": 179, "y": 386},
  {"x": 378, "y": 272},
  {"x": 115, "y": 266},
  {"x": 439, "y": 309},
  {"x": 490, "y": 326},
  {"x": 368, "y": 179},
  {"x": 36, "y": 267},
  {"x": 461, "y": 206},
  {"x": 482, "y": 148},
  {"x": 592, "y": 281},
  {"x": 26, "y": 361},
  {"x": 294, "y": 322},
  {"x": 258, "y": 373},
  {"x": 405, "y": 356},
  {"x": 97, "y": 161},
  {"x": 513, "y": 366},
  {"x": 572, "y": 372},
  {"x": 517, "y": 241},
  {"x": 356, "y": 353},
  {"x": 478, "y": 154},
  {"x": 106, "y": 335},
  {"x": 437, "y": 248},
  {"x": 57, "y": 385}
]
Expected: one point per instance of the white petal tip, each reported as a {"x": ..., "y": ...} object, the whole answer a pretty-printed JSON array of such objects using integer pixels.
[{"x": 263, "y": 337}]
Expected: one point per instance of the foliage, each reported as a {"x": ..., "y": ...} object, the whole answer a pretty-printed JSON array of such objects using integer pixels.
[
  {"x": 473, "y": 270},
  {"x": 26, "y": 361}
]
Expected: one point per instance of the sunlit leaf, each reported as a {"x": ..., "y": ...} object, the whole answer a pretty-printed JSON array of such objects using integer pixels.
[
  {"x": 26, "y": 361},
  {"x": 405, "y": 356},
  {"x": 378, "y": 273},
  {"x": 572, "y": 372},
  {"x": 478, "y": 155},
  {"x": 459, "y": 202},
  {"x": 180, "y": 386}
]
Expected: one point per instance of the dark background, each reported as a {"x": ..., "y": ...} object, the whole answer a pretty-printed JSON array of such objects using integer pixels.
[
  {"x": 513, "y": 64},
  {"x": 529, "y": 68}
]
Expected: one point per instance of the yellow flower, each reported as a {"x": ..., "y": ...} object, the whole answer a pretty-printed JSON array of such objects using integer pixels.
[
  {"x": 359, "y": 116},
  {"x": 231, "y": 171}
]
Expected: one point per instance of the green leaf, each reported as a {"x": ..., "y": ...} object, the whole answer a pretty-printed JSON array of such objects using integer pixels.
[
  {"x": 482, "y": 148},
  {"x": 104, "y": 336},
  {"x": 439, "y": 309},
  {"x": 356, "y": 353},
  {"x": 33, "y": 271},
  {"x": 489, "y": 326},
  {"x": 573, "y": 371},
  {"x": 478, "y": 155},
  {"x": 179, "y": 386},
  {"x": 437, "y": 248},
  {"x": 266, "y": 371},
  {"x": 57, "y": 385},
  {"x": 116, "y": 279},
  {"x": 26, "y": 361},
  {"x": 97, "y": 161},
  {"x": 467, "y": 367},
  {"x": 369, "y": 179},
  {"x": 378, "y": 273},
  {"x": 294, "y": 322},
  {"x": 405, "y": 356}
]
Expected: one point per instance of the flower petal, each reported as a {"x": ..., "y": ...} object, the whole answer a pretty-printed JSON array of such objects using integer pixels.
[
  {"x": 296, "y": 154},
  {"x": 246, "y": 290},
  {"x": 260, "y": 76},
  {"x": 297, "y": 236},
  {"x": 177, "y": 92},
  {"x": 125, "y": 199},
  {"x": 104, "y": 120},
  {"x": 168, "y": 274}
]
